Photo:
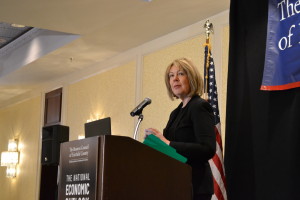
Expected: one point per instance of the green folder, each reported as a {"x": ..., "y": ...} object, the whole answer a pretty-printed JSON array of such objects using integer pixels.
[{"x": 155, "y": 143}]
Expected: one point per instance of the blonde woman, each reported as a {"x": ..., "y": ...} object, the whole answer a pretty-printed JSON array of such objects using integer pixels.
[{"x": 190, "y": 129}]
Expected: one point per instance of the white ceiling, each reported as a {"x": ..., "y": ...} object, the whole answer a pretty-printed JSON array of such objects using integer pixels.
[{"x": 106, "y": 28}]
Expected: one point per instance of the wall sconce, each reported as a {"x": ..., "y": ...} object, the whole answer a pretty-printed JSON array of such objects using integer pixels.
[
  {"x": 10, "y": 158},
  {"x": 80, "y": 137}
]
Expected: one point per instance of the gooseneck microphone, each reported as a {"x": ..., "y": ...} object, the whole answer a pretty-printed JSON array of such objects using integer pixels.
[{"x": 139, "y": 109}]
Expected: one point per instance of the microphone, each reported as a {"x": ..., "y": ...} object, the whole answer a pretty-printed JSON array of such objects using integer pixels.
[{"x": 139, "y": 109}]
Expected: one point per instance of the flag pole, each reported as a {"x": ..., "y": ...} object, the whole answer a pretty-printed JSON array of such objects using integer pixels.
[
  {"x": 211, "y": 95},
  {"x": 208, "y": 30}
]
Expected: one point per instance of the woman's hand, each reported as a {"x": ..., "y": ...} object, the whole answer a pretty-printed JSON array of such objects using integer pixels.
[{"x": 158, "y": 134}]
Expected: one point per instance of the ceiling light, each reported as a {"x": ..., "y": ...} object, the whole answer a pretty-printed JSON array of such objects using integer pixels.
[{"x": 17, "y": 25}]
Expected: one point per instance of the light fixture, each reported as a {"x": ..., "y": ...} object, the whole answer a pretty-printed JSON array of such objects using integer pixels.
[
  {"x": 13, "y": 145},
  {"x": 80, "y": 137},
  {"x": 11, "y": 171},
  {"x": 18, "y": 25},
  {"x": 10, "y": 158}
]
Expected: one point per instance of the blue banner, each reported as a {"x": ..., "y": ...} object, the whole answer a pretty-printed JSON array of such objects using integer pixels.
[{"x": 282, "y": 60}]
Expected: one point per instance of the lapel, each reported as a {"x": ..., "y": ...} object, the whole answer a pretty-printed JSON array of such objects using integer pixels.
[
  {"x": 173, "y": 116},
  {"x": 175, "y": 113}
]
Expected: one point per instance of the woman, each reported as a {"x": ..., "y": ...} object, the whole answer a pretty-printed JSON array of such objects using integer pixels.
[{"x": 190, "y": 129}]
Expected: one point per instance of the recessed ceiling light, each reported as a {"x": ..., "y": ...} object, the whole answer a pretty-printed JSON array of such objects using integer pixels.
[{"x": 17, "y": 25}]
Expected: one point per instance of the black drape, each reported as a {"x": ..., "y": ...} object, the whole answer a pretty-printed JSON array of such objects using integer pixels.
[{"x": 262, "y": 146}]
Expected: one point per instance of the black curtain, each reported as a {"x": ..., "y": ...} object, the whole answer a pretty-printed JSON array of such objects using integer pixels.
[{"x": 262, "y": 146}]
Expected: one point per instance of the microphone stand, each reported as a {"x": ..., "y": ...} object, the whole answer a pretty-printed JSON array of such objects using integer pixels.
[{"x": 141, "y": 117}]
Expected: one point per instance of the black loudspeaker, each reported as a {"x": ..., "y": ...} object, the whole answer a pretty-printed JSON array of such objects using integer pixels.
[
  {"x": 51, "y": 139},
  {"x": 48, "y": 186}
]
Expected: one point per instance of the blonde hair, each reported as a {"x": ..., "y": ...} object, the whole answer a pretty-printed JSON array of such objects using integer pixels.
[{"x": 193, "y": 75}]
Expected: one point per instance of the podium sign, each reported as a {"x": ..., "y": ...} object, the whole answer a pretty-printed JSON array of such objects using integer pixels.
[
  {"x": 120, "y": 168},
  {"x": 78, "y": 170}
]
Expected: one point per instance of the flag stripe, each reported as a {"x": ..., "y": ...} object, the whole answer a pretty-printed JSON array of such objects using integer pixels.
[
  {"x": 214, "y": 197},
  {"x": 218, "y": 192},
  {"x": 219, "y": 166},
  {"x": 218, "y": 138},
  {"x": 219, "y": 186}
]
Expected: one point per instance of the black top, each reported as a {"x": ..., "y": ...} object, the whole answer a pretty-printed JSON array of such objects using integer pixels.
[{"x": 191, "y": 132}]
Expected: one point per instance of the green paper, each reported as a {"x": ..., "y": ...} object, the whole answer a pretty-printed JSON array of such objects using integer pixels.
[{"x": 155, "y": 143}]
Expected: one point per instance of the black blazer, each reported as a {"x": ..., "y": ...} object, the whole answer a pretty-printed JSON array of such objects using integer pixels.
[{"x": 191, "y": 132}]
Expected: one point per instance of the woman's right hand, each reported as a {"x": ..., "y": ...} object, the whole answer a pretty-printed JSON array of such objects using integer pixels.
[{"x": 157, "y": 133}]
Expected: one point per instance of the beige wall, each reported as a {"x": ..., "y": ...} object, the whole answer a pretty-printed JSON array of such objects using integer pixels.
[
  {"x": 109, "y": 94},
  {"x": 223, "y": 90},
  {"x": 157, "y": 114},
  {"x": 112, "y": 93},
  {"x": 21, "y": 121}
]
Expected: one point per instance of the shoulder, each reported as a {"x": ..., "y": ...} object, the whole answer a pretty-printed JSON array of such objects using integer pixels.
[
  {"x": 201, "y": 109},
  {"x": 197, "y": 103}
]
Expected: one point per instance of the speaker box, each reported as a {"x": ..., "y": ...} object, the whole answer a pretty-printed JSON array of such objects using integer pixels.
[
  {"x": 48, "y": 186},
  {"x": 51, "y": 139}
]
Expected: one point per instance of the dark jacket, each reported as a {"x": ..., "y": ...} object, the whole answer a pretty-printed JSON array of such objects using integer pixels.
[{"x": 191, "y": 132}]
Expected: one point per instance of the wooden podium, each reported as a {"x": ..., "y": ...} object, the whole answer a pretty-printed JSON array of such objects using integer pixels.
[{"x": 120, "y": 168}]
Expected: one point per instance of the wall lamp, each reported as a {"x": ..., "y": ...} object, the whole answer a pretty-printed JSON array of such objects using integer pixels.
[{"x": 10, "y": 158}]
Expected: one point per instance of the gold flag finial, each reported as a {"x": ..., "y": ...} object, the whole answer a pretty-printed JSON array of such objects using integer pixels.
[{"x": 208, "y": 28}]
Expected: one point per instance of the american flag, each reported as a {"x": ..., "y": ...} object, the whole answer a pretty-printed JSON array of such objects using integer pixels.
[{"x": 216, "y": 163}]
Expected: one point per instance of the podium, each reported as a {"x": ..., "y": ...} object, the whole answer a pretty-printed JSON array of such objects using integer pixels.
[{"x": 120, "y": 168}]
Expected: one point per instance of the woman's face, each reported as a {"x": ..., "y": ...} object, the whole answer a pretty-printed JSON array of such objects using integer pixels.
[{"x": 179, "y": 82}]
